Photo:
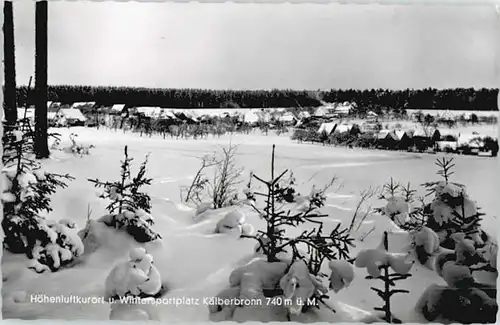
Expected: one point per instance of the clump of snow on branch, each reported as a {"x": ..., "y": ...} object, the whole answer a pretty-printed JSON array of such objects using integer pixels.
[
  {"x": 137, "y": 277},
  {"x": 234, "y": 223},
  {"x": 378, "y": 263},
  {"x": 342, "y": 275},
  {"x": 299, "y": 286}
]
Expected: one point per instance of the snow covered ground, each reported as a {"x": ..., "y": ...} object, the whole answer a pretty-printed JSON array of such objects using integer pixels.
[{"x": 194, "y": 262}]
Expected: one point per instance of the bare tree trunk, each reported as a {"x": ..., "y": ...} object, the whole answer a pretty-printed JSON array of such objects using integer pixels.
[
  {"x": 41, "y": 136},
  {"x": 9, "y": 101}
]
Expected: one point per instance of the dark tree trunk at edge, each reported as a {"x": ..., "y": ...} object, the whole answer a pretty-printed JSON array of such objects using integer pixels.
[
  {"x": 41, "y": 125},
  {"x": 9, "y": 100}
]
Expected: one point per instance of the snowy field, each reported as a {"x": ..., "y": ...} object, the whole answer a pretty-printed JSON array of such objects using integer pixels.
[{"x": 194, "y": 262}]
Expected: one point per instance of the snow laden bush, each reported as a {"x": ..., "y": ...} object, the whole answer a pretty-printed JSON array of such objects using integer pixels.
[
  {"x": 137, "y": 277},
  {"x": 452, "y": 210},
  {"x": 463, "y": 299},
  {"x": 75, "y": 148},
  {"x": 378, "y": 263},
  {"x": 195, "y": 193},
  {"x": 285, "y": 267},
  {"x": 130, "y": 208},
  {"x": 26, "y": 194},
  {"x": 219, "y": 191},
  {"x": 432, "y": 224}
]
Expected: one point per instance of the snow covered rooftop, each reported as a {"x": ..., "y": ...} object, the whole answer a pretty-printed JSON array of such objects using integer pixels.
[
  {"x": 341, "y": 128},
  {"x": 327, "y": 127},
  {"x": 118, "y": 107},
  {"x": 72, "y": 113}
]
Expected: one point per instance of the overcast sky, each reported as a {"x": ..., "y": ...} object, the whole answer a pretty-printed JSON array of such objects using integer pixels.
[{"x": 262, "y": 46}]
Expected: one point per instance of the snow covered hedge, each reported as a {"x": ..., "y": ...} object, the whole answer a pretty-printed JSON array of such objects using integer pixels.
[{"x": 25, "y": 195}]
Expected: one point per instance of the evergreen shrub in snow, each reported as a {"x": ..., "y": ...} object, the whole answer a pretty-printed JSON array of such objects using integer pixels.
[
  {"x": 273, "y": 241},
  {"x": 452, "y": 210},
  {"x": 399, "y": 200},
  {"x": 26, "y": 194},
  {"x": 448, "y": 228},
  {"x": 291, "y": 266},
  {"x": 463, "y": 299},
  {"x": 432, "y": 224},
  {"x": 130, "y": 208}
]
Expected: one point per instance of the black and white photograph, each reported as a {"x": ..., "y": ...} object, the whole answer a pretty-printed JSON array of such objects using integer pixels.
[{"x": 250, "y": 162}]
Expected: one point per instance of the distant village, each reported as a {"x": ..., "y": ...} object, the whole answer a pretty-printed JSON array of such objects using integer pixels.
[{"x": 331, "y": 123}]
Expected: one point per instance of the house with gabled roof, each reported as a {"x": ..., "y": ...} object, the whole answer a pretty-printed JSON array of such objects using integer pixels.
[{"x": 70, "y": 116}]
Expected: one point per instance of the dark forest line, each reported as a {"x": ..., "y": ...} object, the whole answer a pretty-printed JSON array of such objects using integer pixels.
[{"x": 484, "y": 99}]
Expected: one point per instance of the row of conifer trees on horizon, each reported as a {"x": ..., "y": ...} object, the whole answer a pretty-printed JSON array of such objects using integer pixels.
[{"x": 378, "y": 100}]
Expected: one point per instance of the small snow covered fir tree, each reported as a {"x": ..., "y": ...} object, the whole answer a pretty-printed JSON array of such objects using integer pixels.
[
  {"x": 274, "y": 241},
  {"x": 129, "y": 208},
  {"x": 314, "y": 247},
  {"x": 287, "y": 267},
  {"x": 399, "y": 206},
  {"x": 26, "y": 194},
  {"x": 452, "y": 210},
  {"x": 379, "y": 262}
]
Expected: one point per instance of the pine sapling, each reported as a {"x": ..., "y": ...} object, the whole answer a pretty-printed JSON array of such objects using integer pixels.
[
  {"x": 391, "y": 188},
  {"x": 273, "y": 242},
  {"x": 399, "y": 207},
  {"x": 124, "y": 193},
  {"x": 445, "y": 171},
  {"x": 451, "y": 210},
  {"x": 129, "y": 208},
  {"x": 391, "y": 268}
]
